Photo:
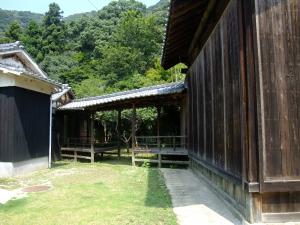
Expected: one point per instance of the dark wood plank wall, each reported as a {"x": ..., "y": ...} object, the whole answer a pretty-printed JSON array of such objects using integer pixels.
[
  {"x": 24, "y": 124},
  {"x": 214, "y": 98},
  {"x": 278, "y": 46},
  {"x": 281, "y": 202}
]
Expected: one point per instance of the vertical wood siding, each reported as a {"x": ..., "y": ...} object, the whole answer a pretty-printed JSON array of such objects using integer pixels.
[
  {"x": 24, "y": 124},
  {"x": 214, "y": 98},
  {"x": 278, "y": 46}
]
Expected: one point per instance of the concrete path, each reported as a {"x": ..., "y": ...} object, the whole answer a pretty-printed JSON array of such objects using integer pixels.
[{"x": 193, "y": 201}]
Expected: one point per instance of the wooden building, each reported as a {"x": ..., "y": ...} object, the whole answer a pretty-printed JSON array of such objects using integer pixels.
[
  {"x": 25, "y": 112},
  {"x": 63, "y": 97},
  {"x": 244, "y": 92},
  {"x": 81, "y": 137}
]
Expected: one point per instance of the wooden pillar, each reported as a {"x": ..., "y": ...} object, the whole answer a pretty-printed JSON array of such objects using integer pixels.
[
  {"x": 66, "y": 130},
  {"x": 133, "y": 132},
  {"x": 75, "y": 156},
  {"x": 183, "y": 123},
  {"x": 158, "y": 108},
  {"x": 92, "y": 136},
  {"x": 159, "y": 160},
  {"x": 119, "y": 133}
]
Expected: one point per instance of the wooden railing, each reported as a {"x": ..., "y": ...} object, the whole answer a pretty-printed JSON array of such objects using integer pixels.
[
  {"x": 162, "y": 147},
  {"x": 83, "y": 148},
  {"x": 77, "y": 142},
  {"x": 161, "y": 142},
  {"x": 86, "y": 142}
]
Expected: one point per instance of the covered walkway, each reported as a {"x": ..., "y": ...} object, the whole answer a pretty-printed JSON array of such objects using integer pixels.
[{"x": 155, "y": 149}]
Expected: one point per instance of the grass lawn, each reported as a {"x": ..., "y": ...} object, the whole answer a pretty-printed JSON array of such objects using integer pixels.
[{"x": 108, "y": 192}]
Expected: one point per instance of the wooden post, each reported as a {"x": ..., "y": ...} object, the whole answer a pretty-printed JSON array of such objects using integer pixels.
[
  {"x": 92, "y": 139},
  {"x": 174, "y": 143},
  {"x": 159, "y": 160},
  {"x": 183, "y": 122},
  {"x": 133, "y": 132},
  {"x": 75, "y": 156},
  {"x": 133, "y": 158},
  {"x": 119, "y": 133},
  {"x": 158, "y": 108}
]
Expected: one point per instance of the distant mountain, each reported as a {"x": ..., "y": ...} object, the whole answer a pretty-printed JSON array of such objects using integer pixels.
[
  {"x": 24, "y": 17},
  {"x": 79, "y": 15},
  {"x": 160, "y": 10},
  {"x": 162, "y": 5}
]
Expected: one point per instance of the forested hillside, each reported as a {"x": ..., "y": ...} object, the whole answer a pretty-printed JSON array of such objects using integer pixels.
[
  {"x": 116, "y": 48},
  {"x": 23, "y": 17}
]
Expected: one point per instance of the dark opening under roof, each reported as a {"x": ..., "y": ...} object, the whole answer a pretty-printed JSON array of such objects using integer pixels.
[{"x": 189, "y": 25}]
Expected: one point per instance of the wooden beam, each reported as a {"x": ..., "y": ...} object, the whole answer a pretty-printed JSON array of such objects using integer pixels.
[
  {"x": 253, "y": 156},
  {"x": 210, "y": 18},
  {"x": 186, "y": 9},
  {"x": 243, "y": 95},
  {"x": 202, "y": 25}
]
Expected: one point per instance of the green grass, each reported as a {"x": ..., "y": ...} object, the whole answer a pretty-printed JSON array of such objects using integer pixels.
[{"x": 109, "y": 192}]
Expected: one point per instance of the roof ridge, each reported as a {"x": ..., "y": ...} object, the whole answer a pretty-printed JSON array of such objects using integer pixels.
[
  {"x": 128, "y": 91},
  {"x": 158, "y": 90},
  {"x": 11, "y": 45}
]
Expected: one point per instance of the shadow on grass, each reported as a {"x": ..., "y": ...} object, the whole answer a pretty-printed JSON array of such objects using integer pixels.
[
  {"x": 114, "y": 160},
  {"x": 58, "y": 164},
  {"x": 157, "y": 193}
]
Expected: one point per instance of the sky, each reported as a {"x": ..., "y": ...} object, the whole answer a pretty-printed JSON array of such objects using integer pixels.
[{"x": 68, "y": 6}]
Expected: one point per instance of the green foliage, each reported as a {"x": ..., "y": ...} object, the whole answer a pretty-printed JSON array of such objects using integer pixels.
[
  {"x": 120, "y": 62},
  {"x": 14, "y": 31},
  {"x": 160, "y": 10},
  {"x": 58, "y": 67},
  {"x": 32, "y": 39},
  {"x": 54, "y": 33},
  {"x": 53, "y": 16},
  {"x": 92, "y": 86},
  {"x": 141, "y": 33},
  {"x": 23, "y": 17},
  {"x": 116, "y": 48}
]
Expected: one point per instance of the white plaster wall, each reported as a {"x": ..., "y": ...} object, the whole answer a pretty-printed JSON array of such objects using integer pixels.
[{"x": 8, "y": 169}]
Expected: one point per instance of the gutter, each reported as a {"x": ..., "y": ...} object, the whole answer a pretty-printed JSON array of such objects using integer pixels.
[{"x": 50, "y": 134}]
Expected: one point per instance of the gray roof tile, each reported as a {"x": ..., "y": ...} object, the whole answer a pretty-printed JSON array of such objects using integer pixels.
[{"x": 158, "y": 90}]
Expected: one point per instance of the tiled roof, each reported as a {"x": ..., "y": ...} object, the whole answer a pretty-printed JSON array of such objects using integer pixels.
[
  {"x": 159, "y": 90},
  {"x": 35, "y": 73},
  {"x": 65, "y": 89},
  {"x": 10, "y": 46}
]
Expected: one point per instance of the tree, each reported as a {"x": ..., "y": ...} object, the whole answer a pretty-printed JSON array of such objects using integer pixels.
[
  {"x": 54, "y": 30},
  {"x": 33, "y": 40},
  {"x": 140, "y": 32},
  {"x": 57, "y": 66},
  {"x": 157, "y": 74},
  {"x": 92, "y": 86},
  {"x": 14, "y": 31},
  {"x": 53, "y": 16},
  {"x": 119, "y": 63}
]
